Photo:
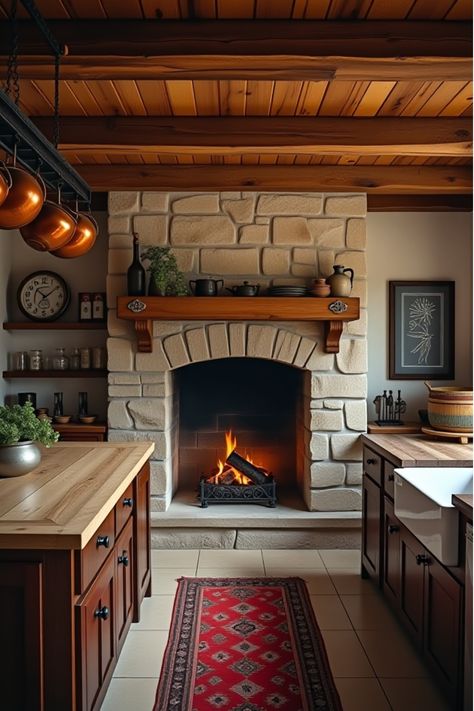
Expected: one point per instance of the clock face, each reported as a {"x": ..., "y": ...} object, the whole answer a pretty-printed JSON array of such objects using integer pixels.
[{"x": 43, "y": 296}]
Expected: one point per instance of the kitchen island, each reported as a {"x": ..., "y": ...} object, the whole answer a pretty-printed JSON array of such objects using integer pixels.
[{"x": 74, "y": 568}]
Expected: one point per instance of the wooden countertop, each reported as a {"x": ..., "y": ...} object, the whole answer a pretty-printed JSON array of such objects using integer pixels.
[
  {"x": 463, "y": 502},
  {"x": 419, "y": 451},
  {"x": 60, "y": 504}
]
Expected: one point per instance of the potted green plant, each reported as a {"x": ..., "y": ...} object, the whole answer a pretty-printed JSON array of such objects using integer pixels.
[
  {"x": 20, "y": 430},
  {"x": 165, "y": 277}
]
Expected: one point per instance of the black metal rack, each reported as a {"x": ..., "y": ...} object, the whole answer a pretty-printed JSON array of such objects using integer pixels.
[{"x": 238, "y": 493}]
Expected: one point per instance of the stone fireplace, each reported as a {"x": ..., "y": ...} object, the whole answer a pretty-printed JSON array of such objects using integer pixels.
[{"x": 272, "y": 239}]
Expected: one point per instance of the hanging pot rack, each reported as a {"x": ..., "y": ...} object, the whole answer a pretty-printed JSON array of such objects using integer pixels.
[{"x": 33, "y": 150}]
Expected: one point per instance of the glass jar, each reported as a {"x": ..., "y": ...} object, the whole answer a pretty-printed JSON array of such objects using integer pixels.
[
  {"x": 83, "y": 406},
  {"x": 21, "y": 360},
  {"x": 85, "y": 358},
  {"x": 58, "y": 405},
  {"x": 98, "y": 358},
  {"x": 36, "y": 360},
  {"x": 75, "y": 359},
  {"x": 60, "y": 360}
]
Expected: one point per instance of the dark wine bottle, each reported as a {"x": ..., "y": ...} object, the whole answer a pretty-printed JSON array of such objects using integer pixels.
[{"x": 136, "y": 282}]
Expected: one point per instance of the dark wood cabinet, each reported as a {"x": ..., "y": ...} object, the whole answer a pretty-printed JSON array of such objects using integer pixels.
[
  {"x": 371, "y": 527},
  {"x": 412, "y": 560},
  {"x": 391, "y": 554},
  {"x": 141, "y": 532},
  {"x": 124, "y": 558}
]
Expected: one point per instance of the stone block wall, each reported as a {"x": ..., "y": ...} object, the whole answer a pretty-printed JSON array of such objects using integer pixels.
[{"x": 265, "y": 237}]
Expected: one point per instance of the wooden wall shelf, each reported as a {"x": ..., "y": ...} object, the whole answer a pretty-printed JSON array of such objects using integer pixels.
[
  {"x": 27, "y": 374},
  {"x": 55, "y": 326},
  {"x": 143, "y": 310}
]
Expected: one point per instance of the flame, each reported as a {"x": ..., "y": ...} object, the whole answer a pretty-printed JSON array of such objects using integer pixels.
[{"x": 224, "y": 469}]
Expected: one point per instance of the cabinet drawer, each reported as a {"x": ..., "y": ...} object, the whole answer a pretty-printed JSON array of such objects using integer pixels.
[
  {"x": 373, "y": 465},
  {"x": 95, "y": 553},
  {"x": 388, "y": 479},
  {"x": 123, "y": 509}
]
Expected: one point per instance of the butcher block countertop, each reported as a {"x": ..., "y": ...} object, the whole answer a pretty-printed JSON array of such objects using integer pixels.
[
  {"x": 419, "y": 451},
  {"x": 463, "y": 502},
  {"x": 61, "y": 503}
]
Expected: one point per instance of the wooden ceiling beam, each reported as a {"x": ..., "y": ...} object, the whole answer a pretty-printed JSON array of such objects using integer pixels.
[
  {"x": 252, "y": 49},
  {"x": 383, "y": 180},
  {"x": 236, "y": 135}
]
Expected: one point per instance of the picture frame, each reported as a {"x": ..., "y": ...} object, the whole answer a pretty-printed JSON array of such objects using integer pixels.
[{"x": 421, "y": 330}]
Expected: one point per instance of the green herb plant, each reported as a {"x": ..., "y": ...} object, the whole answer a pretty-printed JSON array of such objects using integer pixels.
[
  {"x": 164, "y": 272},
  {"x": 19, "y": 423}
]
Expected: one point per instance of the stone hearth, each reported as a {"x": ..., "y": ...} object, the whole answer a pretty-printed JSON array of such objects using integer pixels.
[{"x": 275, "y": 239}]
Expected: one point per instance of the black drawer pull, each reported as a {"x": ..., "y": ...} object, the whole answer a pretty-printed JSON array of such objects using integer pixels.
[
  {"x": 371, "y": 461},
  {"x": 128, "y": 502},
  {"x": 392, "y": 528},
  {"x": 423, "y": 559},
  {"x": 391, "y": 477},
  {"x": 103, "y": 541},
  {"x": 102, "y": 613},
  {"x": 123, "y": 559}
]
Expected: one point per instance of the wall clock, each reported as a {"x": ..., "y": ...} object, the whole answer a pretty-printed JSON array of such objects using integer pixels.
[{"x": 43, "y": 296}]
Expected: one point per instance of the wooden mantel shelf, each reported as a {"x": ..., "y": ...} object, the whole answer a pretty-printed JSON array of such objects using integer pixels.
[{"x": 143, "y": 310}]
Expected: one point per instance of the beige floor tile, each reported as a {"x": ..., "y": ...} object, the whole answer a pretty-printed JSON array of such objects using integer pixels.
[
  {"x": 163, "y": 580},
  {"x": 369, "y": 612},
  {"x": 294, "y": 559},
  {"x": 318, "y": 581},
  {"x": 391, "y": 653},
  {"x": 127, "y": 694},
  {"x": 230, "y": 558},
  {"x": 413, "y": 695},
  {"x": 174, "y": 559},
  {"x": 348, "y": 582},
  {"x": 341, "y": 558},
  {"x": 142, "y": 654},
  {"x": 346, "y": 655},
  {"x": 330, "y": 613},
  {"x": 155, "y": 613},
  {"x": 245, "y": 571},
  {"x": 362, "y": 695}
]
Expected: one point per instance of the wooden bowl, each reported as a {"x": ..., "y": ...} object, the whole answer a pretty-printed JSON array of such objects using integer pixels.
[
  {"x": 62, "y": 419},
  {"x": 88, "y": 420}
]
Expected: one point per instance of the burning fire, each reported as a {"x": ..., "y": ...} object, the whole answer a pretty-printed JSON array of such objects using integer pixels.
[{"x": 227, "y": 474}]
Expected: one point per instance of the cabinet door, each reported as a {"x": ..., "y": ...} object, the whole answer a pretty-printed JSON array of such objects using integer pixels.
[
  {"x": 371, "y": 527},
  {"x": 21, "y": 651},
  {"x": 391, "y": 556},
  {"x": 124, "y": 583},
  {"x": 141, "y": 532},
  {"x": 96, "y": 619},
  {"x": 412, "y": 558},
  {"x": 442, "y": 638}
]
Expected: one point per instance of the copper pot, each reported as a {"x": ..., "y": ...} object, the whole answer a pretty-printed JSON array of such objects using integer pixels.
[
  {"x": 24, "y": 200},
  {"x": 52, "y": 229},
  {"x": 82, "y": 240},
  {"x": 5, "y": 183}
]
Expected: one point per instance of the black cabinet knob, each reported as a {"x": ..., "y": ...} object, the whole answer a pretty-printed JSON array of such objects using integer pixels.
[
  {"x": 128, "y": 502},
  {"x": 422, "y": 559},
  {"x": 391, "y": 477},
  {"x": 123, "y": 559},
  {"x": 102, "y": 613},
  {"x": 392, "y": 528},
  {"x": 103, "y": 541},
  {"x": 371, "y": 461}
]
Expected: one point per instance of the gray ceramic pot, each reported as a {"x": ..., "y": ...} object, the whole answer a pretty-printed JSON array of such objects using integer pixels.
[{"x": 18, "y": 459}]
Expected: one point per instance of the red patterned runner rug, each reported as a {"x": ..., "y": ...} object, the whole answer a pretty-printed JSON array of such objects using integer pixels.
[{"x": 245, "y": 644}]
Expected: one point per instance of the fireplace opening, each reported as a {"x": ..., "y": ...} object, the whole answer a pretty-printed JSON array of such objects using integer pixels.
[{"x": 237, "y": 430}]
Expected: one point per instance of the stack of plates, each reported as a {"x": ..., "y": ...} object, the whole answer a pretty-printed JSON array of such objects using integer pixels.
[{"x": 287, "y": 291}]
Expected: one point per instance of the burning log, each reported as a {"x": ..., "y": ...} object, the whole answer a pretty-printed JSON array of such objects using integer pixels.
[{"x": 257, "y": 475}]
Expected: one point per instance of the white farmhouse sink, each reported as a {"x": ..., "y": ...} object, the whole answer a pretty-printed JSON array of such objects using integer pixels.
[{"x": 423, "y": 504}]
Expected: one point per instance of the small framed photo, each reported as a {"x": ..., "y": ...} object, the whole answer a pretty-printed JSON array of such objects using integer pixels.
[
  {"x": 85, "y": 306},
  {"x": 421, "y": 338}
]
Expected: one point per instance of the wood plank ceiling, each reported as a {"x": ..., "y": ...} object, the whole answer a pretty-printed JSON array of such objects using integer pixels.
[{"x": 328, "y": 121}]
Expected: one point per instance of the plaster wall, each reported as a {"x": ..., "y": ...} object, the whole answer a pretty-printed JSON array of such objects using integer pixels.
[{"x": 417, "y": 246}]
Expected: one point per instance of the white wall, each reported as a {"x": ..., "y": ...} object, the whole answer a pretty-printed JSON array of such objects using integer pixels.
[
  {"x": 86, "y": 273},
  {"x": 5, "y": 264},
  {"x": 413, "y": 246}
]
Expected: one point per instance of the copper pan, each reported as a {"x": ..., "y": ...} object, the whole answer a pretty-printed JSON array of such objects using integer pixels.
[
  {"x": 5, "y": 182},
  {"x": 52, "y": 229},
  {"x": 24, "y": 200},
  {"x": 82, "y": 240}
]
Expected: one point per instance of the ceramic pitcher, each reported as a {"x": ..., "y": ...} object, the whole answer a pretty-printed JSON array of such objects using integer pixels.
[{"x": 340, "y": 283}]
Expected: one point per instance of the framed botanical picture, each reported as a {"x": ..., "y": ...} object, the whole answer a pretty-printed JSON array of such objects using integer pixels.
[{"x": 421, "y": 330}]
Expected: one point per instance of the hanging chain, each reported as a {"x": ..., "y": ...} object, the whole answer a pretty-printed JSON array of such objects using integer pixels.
[
  {"x": 12, "y": 86},
  {"x": 57, "y": 62}
]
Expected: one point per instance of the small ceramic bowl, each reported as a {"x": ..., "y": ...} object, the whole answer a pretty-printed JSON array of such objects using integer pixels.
[
  {"x": 88, "y": 420},
  {"x": 62, "y": 419}
]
